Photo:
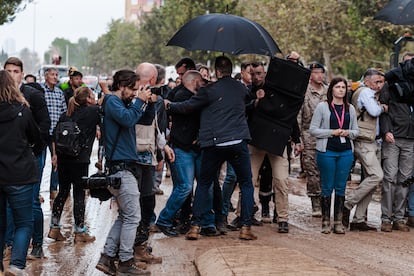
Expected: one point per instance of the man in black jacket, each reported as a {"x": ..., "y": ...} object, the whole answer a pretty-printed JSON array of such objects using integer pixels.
[
  {"x": 183, "y": 140},
  {"x": 223, "y": 137},
  {"x": 272, "y": 122},
  {"x": 38, "y": 106},
  {"x": 397, "y": 130}
]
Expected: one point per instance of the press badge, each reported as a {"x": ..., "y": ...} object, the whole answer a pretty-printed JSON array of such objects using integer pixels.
[{"x": 343, "y": 140}]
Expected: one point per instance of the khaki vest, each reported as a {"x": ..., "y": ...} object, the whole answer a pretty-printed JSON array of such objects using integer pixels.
[{"x": 366, "y": 123}]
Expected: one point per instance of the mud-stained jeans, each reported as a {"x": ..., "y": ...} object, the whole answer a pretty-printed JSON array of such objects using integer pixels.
[
  {"x": 398, "y": 167},
  {"x": 123, "y": 231},
  {"x": 366, "y": 153},
  {"x": 280, "y": 172}
]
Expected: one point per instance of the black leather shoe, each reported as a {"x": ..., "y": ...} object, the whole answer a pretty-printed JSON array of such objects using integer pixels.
[
  {"x": 167, "y": 230},
  {"x": 283, "y": 227},
  {"x": 234, "y": 225},
  {"x": 346, "y": 213},
  {"x": 361, "y": 226},
  {"x": 221, "y": 228},
  {"x": 256, "y": 222},
  {"x": 209, "y": 232},
  {"x": 183, "y": 228}
]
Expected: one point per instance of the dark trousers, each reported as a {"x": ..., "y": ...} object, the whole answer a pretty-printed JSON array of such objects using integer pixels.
[
  {"x": 212, "y": 159},
  {"x": 71, "y": 173}
]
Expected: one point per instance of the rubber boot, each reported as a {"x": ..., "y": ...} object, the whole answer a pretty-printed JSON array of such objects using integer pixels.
[
  {"x": 326, "y": 214},
  {"x": 316, "y": 206},
  {"x": 338, "y": 214}
]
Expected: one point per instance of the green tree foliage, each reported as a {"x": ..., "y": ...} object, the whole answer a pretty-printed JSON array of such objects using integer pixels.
[
  {"x": 341, "y": 34},
  {"x": 8, "y": 9},
  {"x": 116, "y": 49},
  {"x": 163, "y": 23},
  {"x": 78, "y": 53}
]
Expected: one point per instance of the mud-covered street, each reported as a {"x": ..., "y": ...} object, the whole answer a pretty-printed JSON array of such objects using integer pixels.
[{"x": 355, "y": 253}]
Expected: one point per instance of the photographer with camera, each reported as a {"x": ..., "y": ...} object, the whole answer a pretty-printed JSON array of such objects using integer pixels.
[
  {"x": 150, "y": 141},
  {"x": 123, "y": 109},
  {"x": 85, "y": 113},
  {"x": 397, "y": 130}
]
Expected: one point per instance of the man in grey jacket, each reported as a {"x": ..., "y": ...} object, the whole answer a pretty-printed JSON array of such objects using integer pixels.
[{"x": 368, "y": 108}]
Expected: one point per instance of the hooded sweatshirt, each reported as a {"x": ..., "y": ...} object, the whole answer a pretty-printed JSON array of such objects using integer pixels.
[{"x": 19, "y": 142}]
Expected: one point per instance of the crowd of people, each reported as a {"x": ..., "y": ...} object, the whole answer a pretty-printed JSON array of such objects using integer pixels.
[{"x": 213, "y": 133}]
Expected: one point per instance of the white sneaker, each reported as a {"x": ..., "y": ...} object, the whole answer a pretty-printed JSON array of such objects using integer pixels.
[{"x": 14, "y": 271}]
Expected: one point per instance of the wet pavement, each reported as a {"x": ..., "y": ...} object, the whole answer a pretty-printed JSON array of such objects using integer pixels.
[{"x": 303, "y": 251}]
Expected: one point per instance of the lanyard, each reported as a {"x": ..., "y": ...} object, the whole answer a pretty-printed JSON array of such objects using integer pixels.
[{"x": 342, "y": 119}]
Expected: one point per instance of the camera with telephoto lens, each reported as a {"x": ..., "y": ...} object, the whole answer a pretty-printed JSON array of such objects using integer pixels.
[
  {"x": 101, "y": 181},
  {"x": 156, "y": 90}
]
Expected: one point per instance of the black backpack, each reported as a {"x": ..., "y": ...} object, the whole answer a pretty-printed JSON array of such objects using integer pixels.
[{"x": 68, "y": 138}]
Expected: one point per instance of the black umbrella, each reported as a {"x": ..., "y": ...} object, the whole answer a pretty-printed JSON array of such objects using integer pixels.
[
  {"x": 398, "y": 12},
  {"x": 225, "y": 33}
]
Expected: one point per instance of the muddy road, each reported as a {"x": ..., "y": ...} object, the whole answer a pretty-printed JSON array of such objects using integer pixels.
[{"x": 355, "y": 253}]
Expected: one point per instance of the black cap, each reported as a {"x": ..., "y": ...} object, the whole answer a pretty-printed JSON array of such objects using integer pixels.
[{"x": 316, "y": 65}]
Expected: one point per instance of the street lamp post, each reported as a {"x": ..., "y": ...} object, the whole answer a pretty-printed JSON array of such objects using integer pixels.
[{"x": 34, "y": 37}]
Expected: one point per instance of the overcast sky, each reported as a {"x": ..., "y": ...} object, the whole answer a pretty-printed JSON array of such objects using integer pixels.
[{"x": 39, "y": 24}]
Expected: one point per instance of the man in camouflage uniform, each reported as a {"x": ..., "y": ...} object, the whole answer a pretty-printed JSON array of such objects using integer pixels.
[{"x": 315, "y": 93}]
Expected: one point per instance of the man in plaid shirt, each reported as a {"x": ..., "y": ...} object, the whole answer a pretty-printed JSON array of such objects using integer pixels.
[{"x": 56, "y": 105}]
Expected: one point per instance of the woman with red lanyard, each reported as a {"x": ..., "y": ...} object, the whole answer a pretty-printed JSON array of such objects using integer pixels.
[{"x": 334, "y": 124}]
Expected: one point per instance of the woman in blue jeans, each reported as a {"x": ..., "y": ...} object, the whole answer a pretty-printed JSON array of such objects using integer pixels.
[
  {"x": 334, "y": 124},
  {"x": 19, "y": 142}
]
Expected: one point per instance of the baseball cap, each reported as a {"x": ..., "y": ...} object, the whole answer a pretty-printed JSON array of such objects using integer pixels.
[{"x": 316, "y": 65}]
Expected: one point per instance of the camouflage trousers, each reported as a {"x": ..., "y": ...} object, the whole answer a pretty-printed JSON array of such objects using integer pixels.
[{"x": 313, "y": 185}]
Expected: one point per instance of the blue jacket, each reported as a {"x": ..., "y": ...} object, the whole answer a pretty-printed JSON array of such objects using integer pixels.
[
  {"x": 124, "y": 117},
  {"x": 223, "y": 116}
]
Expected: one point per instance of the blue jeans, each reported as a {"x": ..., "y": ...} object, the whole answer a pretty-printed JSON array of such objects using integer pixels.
[
  {"x": 121, "y": 237},
  {"x": 184, "y": 169},
  {"x": 334, "y": 169},
  {"x": 37, "y": 236},
  {"x": 212, "y": 159},
  {"x": 20, "y": 199},
  {"x": 229, "y": 184},
  {"x": 411, "y": 201}
]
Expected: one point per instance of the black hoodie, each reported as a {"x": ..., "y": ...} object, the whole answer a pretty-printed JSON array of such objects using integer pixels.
[{"x": 19, "y": 140}]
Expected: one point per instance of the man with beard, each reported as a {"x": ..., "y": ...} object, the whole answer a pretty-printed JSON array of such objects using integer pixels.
[
  {"x": 122, "y": 110},
  {"x": 183, "y": 140}
]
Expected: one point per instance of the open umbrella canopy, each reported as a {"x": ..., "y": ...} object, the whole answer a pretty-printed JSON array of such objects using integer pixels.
[
  {"x": 225, "y": 33},
  {"x": 398, "y": 12}
]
